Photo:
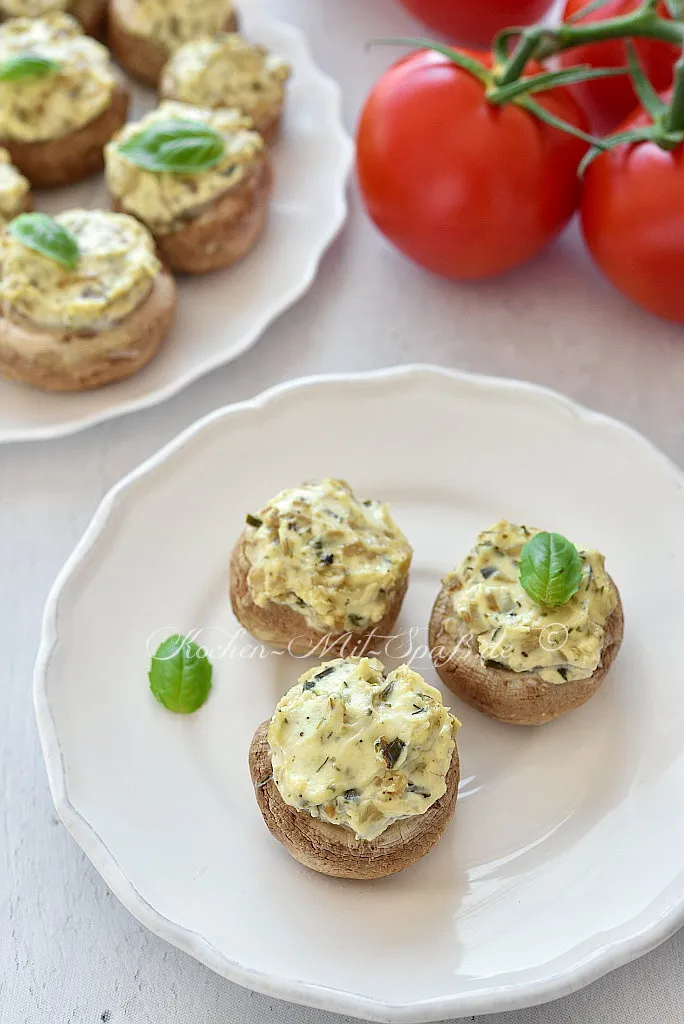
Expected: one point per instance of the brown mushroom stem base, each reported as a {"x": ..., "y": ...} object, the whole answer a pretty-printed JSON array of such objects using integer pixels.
[
  {"x": 333, "y": 849},
  {"x": 91, "y": 14},
  {"x": 269, "y": 128},
  {"x": 517, "y": 698}
]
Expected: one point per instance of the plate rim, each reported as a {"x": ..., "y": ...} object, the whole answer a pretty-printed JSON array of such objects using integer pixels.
[
  {"x": 337, "y": 214},
  {"x": 634, "y": 942}
]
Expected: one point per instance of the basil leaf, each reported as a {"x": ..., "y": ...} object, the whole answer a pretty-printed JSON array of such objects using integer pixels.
[
  {"x": 550, "y": 569},
  {"x": 180, "y": 675},
  {"x": 43, "y": 234},
  {"x": 178, "y": 146},
  {"x": 27, "y": 65}
]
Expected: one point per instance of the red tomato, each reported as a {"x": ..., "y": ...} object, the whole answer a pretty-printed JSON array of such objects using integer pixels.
[
  {"x": 609, "y": 101},
  {"x": 476, "y": 21},
  {"x": 464, "y": 188},
  {"x": 633, "y": 222}
]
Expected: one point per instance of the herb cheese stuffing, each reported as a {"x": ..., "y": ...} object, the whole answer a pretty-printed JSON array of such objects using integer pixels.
[
  {"x": 559, "y": 644},
  {"x": 227, "y": 71},
  {"x": 114, "y": 273},
  {"x": 355, "y": 747},
  {"x": 173, "y": 22},
  {"x": 14, "y": 189},
  {"x": 49, "y": 106},
  {"x": 31, "y": 8},
  {"x": 163, "y": 199},
  {"x": 334, "y": 559}
]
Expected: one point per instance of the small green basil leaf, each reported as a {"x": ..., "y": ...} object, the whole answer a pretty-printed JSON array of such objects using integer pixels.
[
  {"x": 178, "y": 146},
  {"x": 43, "y": 234},
  {"x": 180, "y": 675},
  {"x": 550, "y": 569},
  {"x": 27, "y": 65}
]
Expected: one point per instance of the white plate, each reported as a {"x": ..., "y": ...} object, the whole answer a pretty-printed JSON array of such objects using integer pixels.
[
  {"x": 223, "y": 314},
  {"x": 565, "y": 857}
]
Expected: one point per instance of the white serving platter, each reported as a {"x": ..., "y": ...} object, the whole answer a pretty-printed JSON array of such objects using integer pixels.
[{"x": 222, "y": 314}]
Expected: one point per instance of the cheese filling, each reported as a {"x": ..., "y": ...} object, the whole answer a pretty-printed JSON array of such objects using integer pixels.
[
  {"x": 173, "y": 22},
  {"x": 358, "y": 748},
  {"x": 113, "y": 276},
  {"x": 559, "y": 644},
  {"x": 164, "y": 199},
  {"x": 56, "y": 104},
  {"x": 334, "y": 559},
  {"x": 13, "y": 189},
  {"x": 227, "y": 71},
  {"x": 31, "y": 8}
]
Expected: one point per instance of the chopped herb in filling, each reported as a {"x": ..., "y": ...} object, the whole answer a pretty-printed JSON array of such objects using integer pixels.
[
  {"x": 348, "y": 747},
  {"x": 513, "y": 632},
  {"x": 337, "y": 561}
]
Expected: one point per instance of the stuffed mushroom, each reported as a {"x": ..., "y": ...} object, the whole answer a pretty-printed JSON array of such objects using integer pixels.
[
  {"x": 316, "y": 569},
  {"x": 526, "y": 628},
  {"x": 357, "y": 772},
  {"x": 144, "y": 33},
  {"x": 84, "y": 300},
  {"x": 90, "y": 13},
  {"x": 61, "y": 99},
  {"x": 199, "y": 179},
  {"x": 227, "y": 71}
]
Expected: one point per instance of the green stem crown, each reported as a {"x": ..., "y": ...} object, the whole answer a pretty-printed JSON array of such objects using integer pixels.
[
  {"x": 542, "y": 42},
  {"x": 506, "y": 82}
]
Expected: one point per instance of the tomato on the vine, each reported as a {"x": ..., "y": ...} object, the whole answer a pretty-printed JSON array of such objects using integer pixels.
[
  {"x": 633, "y": 221},
  {"x": 608, "y": 101},
  {"x": 465, "y": 188},
  {"x": 476, "y": 22}
]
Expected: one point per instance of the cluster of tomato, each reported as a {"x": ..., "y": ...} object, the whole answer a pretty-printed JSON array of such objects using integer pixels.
[{"x": 469, "y": 188}]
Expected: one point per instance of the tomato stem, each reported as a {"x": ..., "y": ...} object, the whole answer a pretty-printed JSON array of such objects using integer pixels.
[
  {"x": 542, "y": 114},
  {"x": 649, "y": 132},
  {"x": 463, "y": 60},
  {"x": 528, "y": 44},
  {"x": 644, "y": 22},
  {"x": 542, "y": 42},
  {"x": 584, "y": 12},
  {"x": 674, "y": 119},
  {"x": 551, "y": 80},
  {"x": 648, "y": 97}
]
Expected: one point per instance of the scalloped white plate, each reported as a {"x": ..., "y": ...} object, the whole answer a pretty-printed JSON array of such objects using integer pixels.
[
  {"x": 223, "y": 314},
  {"x": 564, "y": 860}
]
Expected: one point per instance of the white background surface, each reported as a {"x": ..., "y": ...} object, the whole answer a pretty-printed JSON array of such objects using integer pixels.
[{"x": 69, "y": 954}]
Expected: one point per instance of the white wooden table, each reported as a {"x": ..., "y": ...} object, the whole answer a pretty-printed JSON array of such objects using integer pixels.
[{"x": 69, "y": 954}]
